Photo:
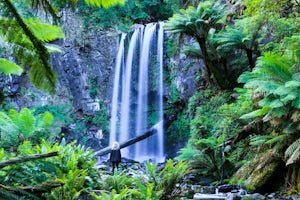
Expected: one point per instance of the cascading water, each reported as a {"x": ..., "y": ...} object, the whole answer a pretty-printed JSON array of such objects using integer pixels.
[{"x": 137, "y": 102}]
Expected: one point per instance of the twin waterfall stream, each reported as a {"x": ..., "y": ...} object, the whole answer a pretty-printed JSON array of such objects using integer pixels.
[{"x": 137, "y": 100}]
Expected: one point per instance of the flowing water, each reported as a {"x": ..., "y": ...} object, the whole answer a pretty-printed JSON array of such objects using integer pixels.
[{"x": 137, "y": 101}]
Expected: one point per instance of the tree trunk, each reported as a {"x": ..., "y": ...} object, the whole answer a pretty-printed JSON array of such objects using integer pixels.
[
  {"x": 212, "y": 74},
  {"x": 107, "y": 150},
  {"x": 27, "y": 158},
  {"x": 250, "y": 58}
]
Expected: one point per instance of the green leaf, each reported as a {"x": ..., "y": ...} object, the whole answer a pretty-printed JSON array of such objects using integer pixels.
[
  {"x": 256, "y": 113},
  {"x": 9, "y": 67},
  {"x": 44, "y": 31},
  {"x": 292, "y": 83},
  {"x": 278, "y": 138},
  {"x": 296, "y": 103},
  {"x": 52, "y": 48},
  {"x": 104, "y": 3}
]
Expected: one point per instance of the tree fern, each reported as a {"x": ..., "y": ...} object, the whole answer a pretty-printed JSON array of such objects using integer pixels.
[
  {"x": 197, "y": 22},
  {"x": 279, "y": 88}
]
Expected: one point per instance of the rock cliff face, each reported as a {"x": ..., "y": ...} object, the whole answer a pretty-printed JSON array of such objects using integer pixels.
[{"x": 85, "y": 70}]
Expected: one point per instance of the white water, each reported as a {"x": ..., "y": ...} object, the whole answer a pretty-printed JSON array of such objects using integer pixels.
[
  {"x": 140, "y": 76},
  {"x": 115, "y": 96}
]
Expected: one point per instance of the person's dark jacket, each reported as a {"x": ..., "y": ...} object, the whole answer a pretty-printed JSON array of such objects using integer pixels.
[{"x": 115, "y": 155}]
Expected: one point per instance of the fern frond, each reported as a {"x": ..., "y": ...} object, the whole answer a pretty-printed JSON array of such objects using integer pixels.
[
  {"x": 44, "y": 31},
  {"x": 294, "y": 157},
  {"x": 104, "y": 3},
  {"x": 193, "y": 51},
  {"x": 45, "y": 120},
  {"x": 9, "y": 67},
  {"x": 259, "y": 140},
  {"x": 256, "y": 113},
  {"x": 276, "y": 139},
  {"x": 5, "y": 194},
  {"x": 292, "y": 148}
]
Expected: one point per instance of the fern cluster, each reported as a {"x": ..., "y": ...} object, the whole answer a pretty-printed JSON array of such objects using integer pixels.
[
  {"x": 151, "y": 184},
  {"x": 64, "y": 176},
  {"x": 24, "y": 125}
]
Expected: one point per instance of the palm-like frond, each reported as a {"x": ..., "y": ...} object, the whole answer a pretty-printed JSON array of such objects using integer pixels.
[
  {"x": 196, "y": 21},
  {"x": 26, "y": 52},
  {"x": 275, "y": 78},
  {"x": 39, "y": 48},
  {"x": 292, "y": 153},
  {"x": 272, "y": 69},
  {"x": 193, "y": 51},
  {"x": 231, "y": 38}
]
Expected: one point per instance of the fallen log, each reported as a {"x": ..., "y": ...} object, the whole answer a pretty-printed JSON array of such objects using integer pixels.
[
  {"x": 147, "y": 134},
  {"x": 26, "y": 158}
]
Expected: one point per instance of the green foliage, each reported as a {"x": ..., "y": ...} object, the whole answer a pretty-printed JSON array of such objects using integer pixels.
[
  {"x": 73, "y": 185},
  {"x": 117, "y": 182},
  {"x": 151, "y": 184},
  {"x": 277, "y": 78},
  {"x": 292, "y": 152},
  {"x": 203, "y": 109},
  {"x": 145, "y": 191},
  {"x": 104, "y": 3},
  {"x": 172, "y": 48},
  {"x": 200, "y": 23},
  {"x": 196, "y": 21},
  {"x": 270, "y": 8},
  {"x": 112, "y": 196},
  {"x": 274, "y": 83},
  {"x": 123, "y": 17},
  {"x": 94, "y": 87},
  {"x": 214, "y": 120},
  {"x": 101, "y": 118},
  {"x": 243, "y": 35},
  {"x": 61, "y": 113},
  {"x": 17, "y": 127},
  {"x": 64, "y": 176},
  {"x": 171, "y": 175},
  {"x": 179, "y": 130},
  {"x": 26, "y": 38},
  {"x": 9, "y": 67}
]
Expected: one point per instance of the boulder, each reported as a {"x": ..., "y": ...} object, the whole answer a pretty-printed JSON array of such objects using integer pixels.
[{"x": 257, "y": 174}]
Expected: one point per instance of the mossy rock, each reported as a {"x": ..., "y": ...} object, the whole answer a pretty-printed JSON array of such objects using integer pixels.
[{"x": 256, "y": 174}]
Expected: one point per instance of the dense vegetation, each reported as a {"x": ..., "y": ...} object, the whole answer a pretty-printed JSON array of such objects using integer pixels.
[
  {"x": 247, "y": 115},
  {"x": 255, "y": 47}
]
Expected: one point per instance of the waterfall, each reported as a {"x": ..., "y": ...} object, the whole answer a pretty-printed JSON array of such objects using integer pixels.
[
  {"x": 115, "y": 95},
  {"x": 137, "y": 102}
]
